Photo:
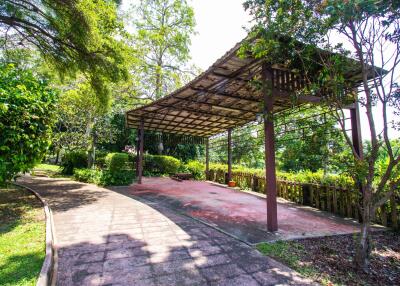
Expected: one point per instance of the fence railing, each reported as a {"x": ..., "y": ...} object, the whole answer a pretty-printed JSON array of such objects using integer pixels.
[{"x": 334, "y": 199}]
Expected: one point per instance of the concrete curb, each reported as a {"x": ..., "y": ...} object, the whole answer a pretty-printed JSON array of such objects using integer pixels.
[{"x": 48, "y": 272}]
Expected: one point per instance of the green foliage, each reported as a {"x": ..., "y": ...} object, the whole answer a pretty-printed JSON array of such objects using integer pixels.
[
  {"x": 197, "y": 169},
  {"x": 72, "y": 35},
  {"x": 317, "y": 177},
  {"x": 82, "y": 120},
  {"x": 104, "y": 177},
  {"x": 72, "y": 160},
  {"x": 88, "y": 175},
  {"x": 155, "y": 165},
  {"x": 26, "y": 119},
  {"x": 162, "y": 37},
  {"x": 115, "y": 162},
  {"x": 117, "y": 172},
  {"x": 309, "y": 140},
  {"x": 121, "y": 178},
  {"x": 101, "y": 158},
  {"x": 247, "y": 143}
]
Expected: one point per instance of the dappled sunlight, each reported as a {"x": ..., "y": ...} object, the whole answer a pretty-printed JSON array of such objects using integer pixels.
[{"x": 118, "y": 238}]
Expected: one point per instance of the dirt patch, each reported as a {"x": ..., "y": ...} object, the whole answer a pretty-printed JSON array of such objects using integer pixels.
[{"x": 329, "y": 260}]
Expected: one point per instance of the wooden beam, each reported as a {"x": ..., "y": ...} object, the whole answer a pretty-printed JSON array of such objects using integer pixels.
[
  {"x": 234, "y": 109},
  {"x": 202, "y": 113},
  {"x": 183, "y": 121},
  {"x": 226, "y": 95},
  {"x": 164, "y": 123},
  {"x": 269, "y": 141},
  {"x": 198, "y": 134}
]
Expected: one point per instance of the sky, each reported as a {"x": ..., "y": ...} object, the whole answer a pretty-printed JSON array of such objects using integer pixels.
[{"x": 219, "y": 26}]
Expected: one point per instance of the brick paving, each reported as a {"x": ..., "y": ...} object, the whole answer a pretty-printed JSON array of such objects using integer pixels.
[{"x": 110, "y": 237}]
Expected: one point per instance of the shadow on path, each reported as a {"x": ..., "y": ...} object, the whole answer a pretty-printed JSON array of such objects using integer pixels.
[
  {"x": 109, "y": 237},
  {"x": 62, "y": 194}
]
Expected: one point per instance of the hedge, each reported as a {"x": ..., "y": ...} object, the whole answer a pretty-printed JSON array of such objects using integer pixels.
[
  {"x": 72, "y": 160},
  {"x": 118, "y": 172}
]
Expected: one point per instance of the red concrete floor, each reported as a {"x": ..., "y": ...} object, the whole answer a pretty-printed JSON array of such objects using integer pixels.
[{"x": 238, "y": 213}]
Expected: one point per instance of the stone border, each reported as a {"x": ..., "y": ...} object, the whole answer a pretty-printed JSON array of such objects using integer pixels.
[{"x": 48, "y": 273}]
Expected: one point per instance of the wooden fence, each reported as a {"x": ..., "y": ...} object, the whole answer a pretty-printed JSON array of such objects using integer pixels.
[{"x": 334, "y": 199}]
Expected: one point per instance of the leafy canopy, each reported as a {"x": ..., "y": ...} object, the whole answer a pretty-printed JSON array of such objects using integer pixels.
[
  {"x": 72, "y": 35},
  {"x": 162, "y": 36}
]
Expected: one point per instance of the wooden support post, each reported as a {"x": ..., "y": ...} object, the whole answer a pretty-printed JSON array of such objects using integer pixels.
[
  {"x": 229, "y": 154},
  {"x": 140, "y": 161},
  {"x": 137, "y": 152},
  {"x": 270, "y": 172},
  {"x": 356, "y": 130},
  {"x": 207, "y": 159},
  {"x": 357, "y": 143}
]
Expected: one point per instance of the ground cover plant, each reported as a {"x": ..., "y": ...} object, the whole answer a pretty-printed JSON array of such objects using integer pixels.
[
  {"x": 329, "y": 260},
  {"x": 22, "y": 236}
]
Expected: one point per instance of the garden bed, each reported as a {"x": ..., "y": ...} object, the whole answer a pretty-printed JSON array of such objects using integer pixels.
[
  {"x": 329, "y": 260},
  {"x": 22, "y": 236}
]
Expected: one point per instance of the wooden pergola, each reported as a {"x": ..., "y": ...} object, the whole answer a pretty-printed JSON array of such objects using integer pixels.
[{"x": 224, "y": 97}]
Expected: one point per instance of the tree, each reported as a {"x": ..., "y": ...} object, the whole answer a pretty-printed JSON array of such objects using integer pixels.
[
  {"x": 294, "y": 31},
  {"x": 26, "y": 119},
  {"x": 308, "y": 139},
  {"x": 162, "y": 38},
  {"x": 71, "y": 35},
  {"x": 82, "y": 122}
]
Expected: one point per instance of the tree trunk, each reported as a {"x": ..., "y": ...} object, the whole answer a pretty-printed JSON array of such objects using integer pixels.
[
  {"x": 57, "y": 156},
  {"x": 364, "y": 246}
]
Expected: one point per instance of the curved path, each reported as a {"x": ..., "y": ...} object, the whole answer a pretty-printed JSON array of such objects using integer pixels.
[{"x": 109, "y": 237}]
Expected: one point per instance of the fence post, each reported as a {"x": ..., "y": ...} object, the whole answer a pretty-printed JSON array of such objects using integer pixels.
[{"x": 306, "y": 195}]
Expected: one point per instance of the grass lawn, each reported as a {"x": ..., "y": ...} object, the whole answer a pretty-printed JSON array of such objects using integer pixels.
[
  {"x": 22, "y": 236},
  {"x": 47, "y": 170},
  {"x": 329, "y": 260}
]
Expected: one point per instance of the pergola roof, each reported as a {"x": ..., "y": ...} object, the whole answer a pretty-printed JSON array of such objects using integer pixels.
[{"x": 222, "y": 97}]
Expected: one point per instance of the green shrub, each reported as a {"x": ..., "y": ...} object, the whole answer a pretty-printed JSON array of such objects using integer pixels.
[
  {"x": 197, "y": 169},
  {"x": 27, "y": 115},
  {"x": 72, "y": 160},
  {"x": 104, "y": 177},
  {"x": 120, "y": 178},
  {"x": 300, "y": 177},
  {"x": 101, "y": 158},
  {"x": 161, "y": 165},
  {"x": 115, "y": 162},
  {"x": 88, "y": 175}
]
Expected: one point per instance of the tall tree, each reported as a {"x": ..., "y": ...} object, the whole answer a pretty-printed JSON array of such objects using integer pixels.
[
  {"x": 72, "y": 35},
  {"x": 162, "y": 36},
  {"x": 294, "y": 31},
  {"x": 82, "y": 122}
]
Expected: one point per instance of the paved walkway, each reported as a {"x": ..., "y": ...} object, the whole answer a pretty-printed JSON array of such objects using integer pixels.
[
  {"x": 240, "y": 213},
  {"x": 107, "y": 237}
]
